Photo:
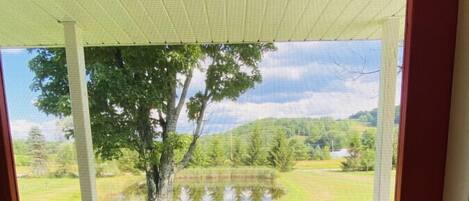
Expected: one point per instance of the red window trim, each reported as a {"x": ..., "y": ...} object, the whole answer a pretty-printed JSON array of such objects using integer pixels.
[
  {"x": 425, "y": 107},
  {"x": 8, "y": 183},
  {"x": 430, "y": 39}
]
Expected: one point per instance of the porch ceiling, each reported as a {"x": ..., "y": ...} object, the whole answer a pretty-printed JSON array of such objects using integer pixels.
[{"x": 34, "y": 23}]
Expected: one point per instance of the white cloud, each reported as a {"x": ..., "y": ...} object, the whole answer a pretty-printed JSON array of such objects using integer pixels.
[
  {"x": 297, "y": 72},
  {"x": 50, "y": 129},
  {"x": 286, "y": 49},
  {"x": 357, "y": 96},
  {"x": 198, "y": 80},
  {"x": 273, "y": 65},
  {"x": 339, "y": 99}
]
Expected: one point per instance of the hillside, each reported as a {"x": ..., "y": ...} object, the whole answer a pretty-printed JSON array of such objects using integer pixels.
[{"x": 311, "y": 131}]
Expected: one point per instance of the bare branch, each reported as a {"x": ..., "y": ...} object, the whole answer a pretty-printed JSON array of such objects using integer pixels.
[
  {"x": 161, "y": 119},
  {"x": 356, "y": 74},
  {"x": 185, "y": 89},
  {"x": 197, "y": 132}
]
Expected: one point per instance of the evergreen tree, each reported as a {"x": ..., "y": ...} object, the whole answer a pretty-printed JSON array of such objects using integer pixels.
[
  {"x": 367, "y": 160},
  {"x": 37, "y": 150},
  {"x": 255, "y": 155},
  {"x": 216, "y": 153},
  {"x": 238, "y": 153},
  {"x": 368, "y": 139},
  {"x": 300, "y": 150},
  {"x": 352, "y": 161},
  {"x": 281, "y": 155}
]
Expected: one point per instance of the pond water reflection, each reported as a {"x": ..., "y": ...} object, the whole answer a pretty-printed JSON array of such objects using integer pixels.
[
  {"x": 213, "y": 191},
  {"x": 227, "y": 193}
]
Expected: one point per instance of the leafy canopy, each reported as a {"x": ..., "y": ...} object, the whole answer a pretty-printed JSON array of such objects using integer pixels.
[{"x": 131, "y": 88}]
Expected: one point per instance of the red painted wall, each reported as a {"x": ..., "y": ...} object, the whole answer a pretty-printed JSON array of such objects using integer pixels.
[{"x": 426, "y": 97}]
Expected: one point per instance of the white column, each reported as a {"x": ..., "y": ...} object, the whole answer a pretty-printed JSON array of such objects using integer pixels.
[
  {"x": 80, "y": 111},
  {"x": 386, "y": 107}
]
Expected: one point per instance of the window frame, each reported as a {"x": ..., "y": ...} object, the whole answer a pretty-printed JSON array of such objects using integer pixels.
[{"x": 429, "y": 47}]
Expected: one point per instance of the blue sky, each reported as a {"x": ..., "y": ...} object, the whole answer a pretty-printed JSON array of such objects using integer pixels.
[{"x": 305, "y": 79}]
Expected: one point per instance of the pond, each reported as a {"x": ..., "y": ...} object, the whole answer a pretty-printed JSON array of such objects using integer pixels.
[{"x": 212, "y": 190}]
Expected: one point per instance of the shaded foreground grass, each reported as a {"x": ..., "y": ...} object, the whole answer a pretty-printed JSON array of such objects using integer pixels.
[
  {"x": 68, "y": 189},
  {"x": 310, "y": 181}
]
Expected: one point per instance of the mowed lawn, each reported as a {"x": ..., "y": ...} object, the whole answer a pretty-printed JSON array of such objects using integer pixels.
[
  {"x": 309, "y": 181},
  {"x": 67, "y": 189},
  {"x": 323, "y": 181}
]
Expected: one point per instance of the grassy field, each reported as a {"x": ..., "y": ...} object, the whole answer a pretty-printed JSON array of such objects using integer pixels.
[
  {"x": 323, "y": 181},
  {"x": 327, "y": 185},
  {"x": 67, "y": 189},
  {"x": 309, "y": 181},
  {"x": 324, "y": 164}
]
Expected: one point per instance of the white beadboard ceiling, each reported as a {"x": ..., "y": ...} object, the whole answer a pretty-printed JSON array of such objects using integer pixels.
[{"x": 36, "y": 23}]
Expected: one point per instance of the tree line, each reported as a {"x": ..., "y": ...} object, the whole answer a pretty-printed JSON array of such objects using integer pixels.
[
  {"x": 270, "y": 142},
  {"x": 279, "y": 153}
]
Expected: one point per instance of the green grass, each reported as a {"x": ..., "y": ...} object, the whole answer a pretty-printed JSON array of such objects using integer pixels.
[
  {"x": 318, "y": 181},
  {"x": 324, "y": 164},
  {"x": 68, "y": 189},
  {"x": 309, "y": 181}
]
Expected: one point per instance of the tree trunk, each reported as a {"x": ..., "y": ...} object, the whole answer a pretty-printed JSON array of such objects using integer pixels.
[
  {"x": 165, "y": 185},
  {"x": 147, "y": 150},
  {"x": 166, "y": 169},
  {"x": 160, "y": 183},
  {"x": 152, "y": 180}
]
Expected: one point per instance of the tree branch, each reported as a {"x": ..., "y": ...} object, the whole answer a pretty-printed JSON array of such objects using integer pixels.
[
  {"x": 362, "y": 72},
  {"x": 197, "y": 133},
  {"x": 171, "y": 118},
  {"x": 185, "y": 89},
  {"x": 161, "y": 119}
]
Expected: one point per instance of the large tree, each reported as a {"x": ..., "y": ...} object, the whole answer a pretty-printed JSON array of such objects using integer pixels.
[{"x": 137, "y": 94}]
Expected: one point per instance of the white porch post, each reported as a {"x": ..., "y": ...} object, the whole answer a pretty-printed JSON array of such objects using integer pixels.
[
  {"x": 80, "y": 111},
  {"x": 386, "y": 107}
]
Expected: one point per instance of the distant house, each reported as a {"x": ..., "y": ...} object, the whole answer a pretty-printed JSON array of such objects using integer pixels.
[{"x": 339, "y": 154}]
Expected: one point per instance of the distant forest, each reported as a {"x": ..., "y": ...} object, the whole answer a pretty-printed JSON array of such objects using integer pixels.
[
  {"x": 250, "y": 144},
  {"x": 371, "y": 117}
]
